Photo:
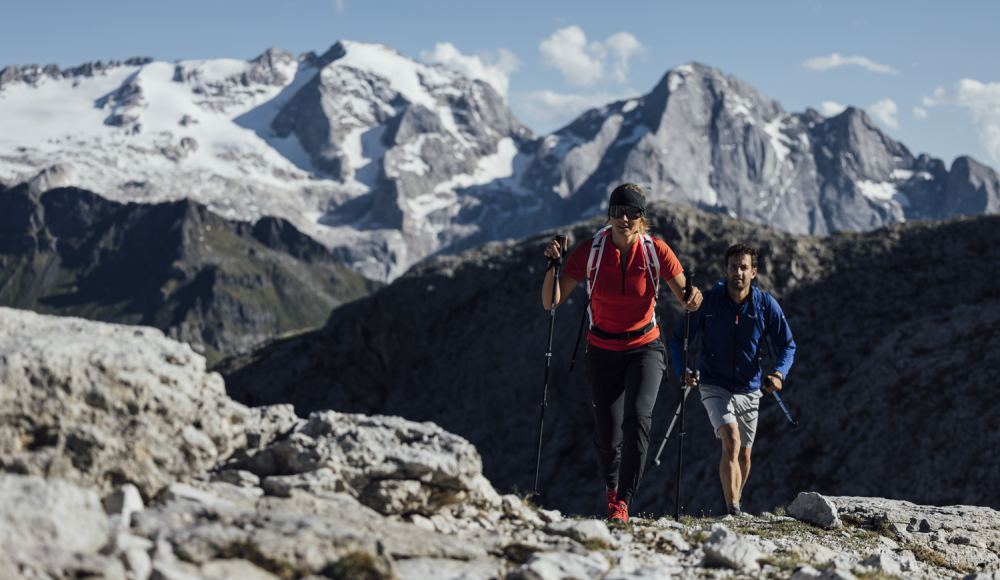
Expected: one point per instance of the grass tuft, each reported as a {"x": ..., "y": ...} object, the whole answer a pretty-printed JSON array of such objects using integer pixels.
[
  {"x": 249, "y": 551},
  {"x": 518, "y": 553},
  {"x": 355, "y": 566},
  {"x": 595, "y": 544},
  {"x": 934, "y": 558}
]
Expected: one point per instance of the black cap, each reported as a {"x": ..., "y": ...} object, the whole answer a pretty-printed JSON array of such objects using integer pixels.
[{"x": 628, "y": 194}]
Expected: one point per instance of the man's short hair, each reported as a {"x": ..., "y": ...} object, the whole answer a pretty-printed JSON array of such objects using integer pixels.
[{"x": 740, "y": 250}]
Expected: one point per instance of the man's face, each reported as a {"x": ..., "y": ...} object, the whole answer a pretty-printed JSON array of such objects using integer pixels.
[{"x": 739, "y": 272}]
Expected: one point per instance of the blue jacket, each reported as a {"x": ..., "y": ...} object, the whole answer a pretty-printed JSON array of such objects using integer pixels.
[{"x": 731, "y": 339}]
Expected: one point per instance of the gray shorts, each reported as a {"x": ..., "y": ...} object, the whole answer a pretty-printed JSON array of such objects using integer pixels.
[{"x": 725, "y": 407}]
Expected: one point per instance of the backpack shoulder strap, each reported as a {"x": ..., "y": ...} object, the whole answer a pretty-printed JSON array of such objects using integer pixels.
[
  {"x": 652, "y": 261},
  {"x": 594, "y": 261}
]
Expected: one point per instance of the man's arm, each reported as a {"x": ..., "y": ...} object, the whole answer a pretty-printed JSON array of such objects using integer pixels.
[{"x": 784, "y": 346}]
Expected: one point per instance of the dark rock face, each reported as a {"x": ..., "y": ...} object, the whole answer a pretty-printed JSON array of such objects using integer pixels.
[
  {"x": 895, "y": 331},
  {"x": 220, "y": 285}
]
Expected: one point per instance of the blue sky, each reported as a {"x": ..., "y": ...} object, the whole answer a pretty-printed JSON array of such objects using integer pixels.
[{"x": 559, "y": 57}]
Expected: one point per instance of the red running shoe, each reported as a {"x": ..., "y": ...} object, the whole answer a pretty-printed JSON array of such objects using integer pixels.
[
  {"x": 612, "y": 504},
  {"x": 620, "y": 514}
]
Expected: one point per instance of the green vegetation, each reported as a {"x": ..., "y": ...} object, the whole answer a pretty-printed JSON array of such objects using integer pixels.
[
  {"x": 518, "y": 553},
  {"x": 594, "y": 544},
  {"x": 249, "y": 551},
  {"x": 355, "y": 566}
]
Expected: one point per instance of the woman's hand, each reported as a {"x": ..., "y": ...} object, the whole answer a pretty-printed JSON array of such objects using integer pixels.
[
  {"x": 695, "y": 301},
  {"x": 554, "y": 251}
]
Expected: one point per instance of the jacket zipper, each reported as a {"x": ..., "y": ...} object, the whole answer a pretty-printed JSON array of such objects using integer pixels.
[
  {"x": 736, "y": 335},
  {"x": 624, "y": 265}
]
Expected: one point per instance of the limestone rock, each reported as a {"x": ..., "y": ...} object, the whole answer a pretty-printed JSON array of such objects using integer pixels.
[
  {"x": 582, "y": 531},
  {"x": 389, "y": 463},
  {"x": 96, "y": 403},
  {"x": 883, "y": 563},
  {"x": 815, "y": 553},
  {"x": 814, "y": 508},
  {"x": 265, "y": 424},
  {"x": 438, "y": 569},
  {"x": 725, "y": 547},
  {"x": 560, "y": 566},
  {"x": 54, "y": 513}
]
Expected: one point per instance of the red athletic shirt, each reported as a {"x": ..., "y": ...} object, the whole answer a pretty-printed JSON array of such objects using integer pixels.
[{"x": 622, "y": 305}]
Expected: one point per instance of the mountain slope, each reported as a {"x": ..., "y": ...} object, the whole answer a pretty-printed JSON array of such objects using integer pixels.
[
  {"x": 895, "y": 333},
  {"x": 220, "y": 285}
]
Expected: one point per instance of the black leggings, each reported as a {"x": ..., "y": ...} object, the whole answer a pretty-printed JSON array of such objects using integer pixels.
[{"x": 623, "y": 387}]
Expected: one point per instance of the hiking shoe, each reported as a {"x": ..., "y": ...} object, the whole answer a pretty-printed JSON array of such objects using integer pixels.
[
  {"x": 620, "y": 514},
  {"x": 734, "y": 510},
  {"x": 612, "y": 504}
]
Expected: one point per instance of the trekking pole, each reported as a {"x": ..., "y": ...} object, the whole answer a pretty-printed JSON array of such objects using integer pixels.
[
  {"x": 670, "y": 429},
  {"x": 684, "y": 365},
  {"x": 557, "y": 264},
  {"x": 783, "y": 408}
]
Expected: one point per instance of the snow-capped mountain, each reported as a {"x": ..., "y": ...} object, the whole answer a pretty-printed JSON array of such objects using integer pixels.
[
  {"x": 362, "y": 148},
  {"x": 387, "y": 160},
  {"x": 712, "y": 141}
]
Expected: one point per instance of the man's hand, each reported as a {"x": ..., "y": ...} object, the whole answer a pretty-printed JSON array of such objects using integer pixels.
[
  {"x": 773, "y": 382},
  {"x": 692, "y": 379}
]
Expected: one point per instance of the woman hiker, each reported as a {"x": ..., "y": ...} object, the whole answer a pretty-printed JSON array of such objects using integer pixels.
[{"x": 624, "y": 359}]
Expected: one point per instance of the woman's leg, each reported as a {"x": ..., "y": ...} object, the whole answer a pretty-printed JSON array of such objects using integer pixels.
[
  {"x": 605, "y": 377},
  {"x": 643, "y": 374}
]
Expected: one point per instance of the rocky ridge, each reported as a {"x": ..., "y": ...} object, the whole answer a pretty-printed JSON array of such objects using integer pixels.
[
  {"x": 388, "y": 161},
  {"x": 220, "y": 285},
  {"x": 272, "y": 496},
  {"x": 885, "y": 322}
]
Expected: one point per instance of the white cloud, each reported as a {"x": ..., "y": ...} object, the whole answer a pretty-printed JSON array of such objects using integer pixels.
[
  {"x": 885, "y": 111},
  {"x": 584, "y": 64},
  {"x": 339, "y": 5},
  {"x": 831, "y": 108},
  {"x": 623, "y": 46},
  {"x": 547, "y": 110},
  {"x": 919, "y": 114},
  {"x": 822, "y": 63},
  {"x": 983, "y": 101},
  {"x": 496, "y": 71}
]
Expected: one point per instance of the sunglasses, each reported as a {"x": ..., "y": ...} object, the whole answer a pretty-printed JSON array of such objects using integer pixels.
[{"x": 617, "y": 211}]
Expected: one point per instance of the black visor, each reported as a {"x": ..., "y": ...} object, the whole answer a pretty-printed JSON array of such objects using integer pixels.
[{"x": 617, "y": 211}]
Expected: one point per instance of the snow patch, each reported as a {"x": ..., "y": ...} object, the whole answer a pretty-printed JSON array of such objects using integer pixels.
[
  {"x": 883, "y": 191},
  {"x": 637, "y": 132},
  {"x": 496, "y": 166},
  {"x": 903, "y": 174},
  {"x": 630, "y": 106},
  {"x": 779, "y": 141},
  {"x": 405, "y": 76}
]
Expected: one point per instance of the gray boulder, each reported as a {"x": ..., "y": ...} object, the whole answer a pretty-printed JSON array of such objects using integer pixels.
[
  {"x": 391, "y": 464},
  {"x": 101, "y": 404},
  {"x": 814, "y": 508},
  {"x": 727, "y": 548}
]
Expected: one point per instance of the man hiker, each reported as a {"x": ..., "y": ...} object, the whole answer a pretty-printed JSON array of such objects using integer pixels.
[{"x": 733, "y": 324}]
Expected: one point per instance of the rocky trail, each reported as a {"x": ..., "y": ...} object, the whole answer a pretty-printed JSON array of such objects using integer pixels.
[{"x": 121, "y": 458}]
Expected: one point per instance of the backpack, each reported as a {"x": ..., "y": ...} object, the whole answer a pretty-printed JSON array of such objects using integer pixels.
[{"x": 597, "y": 245}]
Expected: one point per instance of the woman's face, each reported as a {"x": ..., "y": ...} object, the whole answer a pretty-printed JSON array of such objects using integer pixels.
[{"x": 625, "y": 226}]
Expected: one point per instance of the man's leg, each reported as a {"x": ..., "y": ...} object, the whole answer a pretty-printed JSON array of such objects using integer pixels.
[
  {"x": 730, "y": 471},
  {"x": 744, "y": 469}
]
